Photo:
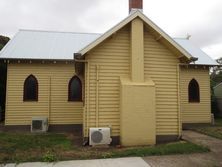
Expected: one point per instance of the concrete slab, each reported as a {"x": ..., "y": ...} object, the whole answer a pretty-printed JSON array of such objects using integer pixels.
[
  {"x": 213, "y": 158},
  {"x": 191, "y": 160},
  {"x": 118, "y": 162}
]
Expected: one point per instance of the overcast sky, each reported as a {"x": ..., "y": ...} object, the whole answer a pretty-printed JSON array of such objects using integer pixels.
[{"x": 202, "y": 19}]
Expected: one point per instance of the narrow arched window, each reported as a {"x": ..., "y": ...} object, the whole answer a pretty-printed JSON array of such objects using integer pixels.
[
  {"x": 75, "y": 89},
  {"x": 30, "y": 89},
  {"x": 194, "y": 91}
]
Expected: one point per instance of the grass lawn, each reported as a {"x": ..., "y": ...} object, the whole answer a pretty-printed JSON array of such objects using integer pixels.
[
  {"x": 54, "y": 147},
  {"x": 211, "y": 130}
]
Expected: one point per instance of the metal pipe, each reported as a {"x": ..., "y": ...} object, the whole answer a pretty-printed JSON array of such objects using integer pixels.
[
  {"x": 87, "y": 93},
  {"x": 178, "y": 100},
  {"x": 49, "y": 100},
  {"x": 6, "y": 99},
  {"x": 97, "y": 95},
  {"x": 88, "y": 96}
]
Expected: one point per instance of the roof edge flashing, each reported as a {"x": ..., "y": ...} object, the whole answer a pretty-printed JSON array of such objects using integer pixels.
[{"x": 77, "y": 56}]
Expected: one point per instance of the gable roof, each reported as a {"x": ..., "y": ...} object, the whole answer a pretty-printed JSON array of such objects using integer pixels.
[
  {"x": 133, "y": 15},
  {"x": 51, "y": 45}
]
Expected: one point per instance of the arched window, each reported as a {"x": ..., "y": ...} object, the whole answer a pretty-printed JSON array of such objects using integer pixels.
[
  {"x": 194, "y": 91},
  {"x": 30, "y": 89},
  {"x": 75, "y": 89}
]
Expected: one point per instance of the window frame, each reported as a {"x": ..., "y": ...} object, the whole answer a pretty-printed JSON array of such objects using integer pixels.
[
  {"x": 25, "y": 99},
  {"x": 69, "y": 89},
  {"x": 192, "y": 100}
]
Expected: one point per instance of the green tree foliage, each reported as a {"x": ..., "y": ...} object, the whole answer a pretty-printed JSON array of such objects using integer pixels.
[
  {"x": 216, "y": 75},
  {"x": 3, "y": 74},
  {"x": 215, "y": 79}
]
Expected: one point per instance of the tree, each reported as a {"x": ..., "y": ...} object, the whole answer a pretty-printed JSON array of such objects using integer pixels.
[
  {"x": 215, "y": 79},
  {"x": 216, "y": 75},
  {"x": 3, "y": 74},
  {"x": 3, "y": 41}
]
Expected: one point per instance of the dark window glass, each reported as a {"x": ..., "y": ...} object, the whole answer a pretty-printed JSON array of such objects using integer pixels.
[
  {"x": 30, "y": 89},
  {"x": 75, "y": 89},
  {"x": 194, "y": 91}
]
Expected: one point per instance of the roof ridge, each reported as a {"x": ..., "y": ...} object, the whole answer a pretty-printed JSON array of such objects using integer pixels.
[{"x": 52, "y": 31}]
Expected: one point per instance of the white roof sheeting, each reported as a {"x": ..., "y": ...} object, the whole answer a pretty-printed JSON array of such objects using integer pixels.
[
  {"x": 30, "y": 44},
  {"x": 49, "y": 45},
  {"x": 203, "y": 58}
]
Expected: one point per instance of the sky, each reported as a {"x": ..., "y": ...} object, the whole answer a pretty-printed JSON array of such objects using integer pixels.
[{"x": 202, "y": 19}]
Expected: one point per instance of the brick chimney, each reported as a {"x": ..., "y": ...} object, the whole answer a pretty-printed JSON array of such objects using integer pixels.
[{"x": 135, "y": 4}]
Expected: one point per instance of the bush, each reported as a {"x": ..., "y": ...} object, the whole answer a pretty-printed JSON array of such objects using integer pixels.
[{"x": 49, "y": 157}]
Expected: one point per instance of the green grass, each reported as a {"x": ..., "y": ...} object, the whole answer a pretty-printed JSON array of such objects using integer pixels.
[
  {"x": 13, "y": 141},
  {"x": 49, "y": 147},
  {"x": 211, "y": 130},
  {"x": 165, "y": 149},
  {"x": 17, "y": 147}
]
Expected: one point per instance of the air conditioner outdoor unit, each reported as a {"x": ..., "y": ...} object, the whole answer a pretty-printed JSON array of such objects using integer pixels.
[
  {"x": 99, "y": 136},
  {"x": 39, "y": 124}
]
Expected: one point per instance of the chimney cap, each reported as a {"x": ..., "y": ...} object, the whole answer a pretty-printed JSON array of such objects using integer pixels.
[{"x": 135, "y": 5}]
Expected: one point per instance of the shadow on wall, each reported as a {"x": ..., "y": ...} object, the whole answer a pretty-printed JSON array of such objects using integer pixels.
[{"x": 3, "y": 72}]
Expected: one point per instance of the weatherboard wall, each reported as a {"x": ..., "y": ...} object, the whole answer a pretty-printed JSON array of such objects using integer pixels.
[
  {"x": 52, "y": 101},
  {"x": 161, "y": 66},
  {"x": 195, "y": 112},
  {"x": 112, "y": 57}
]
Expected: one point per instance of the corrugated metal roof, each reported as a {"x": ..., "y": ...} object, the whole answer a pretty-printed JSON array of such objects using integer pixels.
[
  {"x": 31, "y": 44},
  {"x": 49, "y": 45},
  {"x": 203, "y": 58}
]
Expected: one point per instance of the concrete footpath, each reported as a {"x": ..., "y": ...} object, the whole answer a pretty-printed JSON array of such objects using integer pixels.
[
  {"x": 118, "y": 162},
  {"x": 213, "y": 158}
]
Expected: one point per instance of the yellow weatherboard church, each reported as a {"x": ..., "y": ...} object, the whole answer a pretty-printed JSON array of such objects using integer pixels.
[{"x": 134, "y": 81}]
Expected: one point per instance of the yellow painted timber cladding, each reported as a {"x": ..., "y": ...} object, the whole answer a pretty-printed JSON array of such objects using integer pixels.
[
  {"x": 117, "y": 68},
  {"x": 112, "y": 60},
  {"x": 137, "y": 113},
  {"x": 137, "y": 51},
  {"x": 161, "y": 66},
  {"x": 137, "y": 107},
  {"x": 52, "y": 98},
  {"x": 195, "y": 112},
  {"x": 113, "y": 56}
]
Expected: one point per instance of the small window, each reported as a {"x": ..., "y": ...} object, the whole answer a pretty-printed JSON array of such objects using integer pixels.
[
  {"x": 75, "y": 89},
  {"x": 30, "y": 89},
  {"x": 194, "y": 91}
]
